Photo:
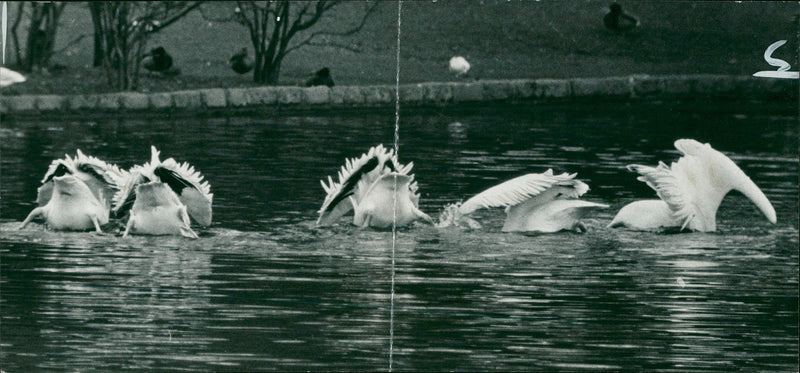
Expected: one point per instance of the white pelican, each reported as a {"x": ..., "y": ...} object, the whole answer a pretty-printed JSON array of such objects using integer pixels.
[
  {"x": 367, "y": 185},
  {"x": 158, "y": 211},
  {"x": 76, "y": 193},
  {"x": 192, "y": 196},
  {"x": 691, "y": 191},
  {"x": 459, "y": 66},
  {"x": 9, "y": 77},
  {"x": 540, "y": 203}
]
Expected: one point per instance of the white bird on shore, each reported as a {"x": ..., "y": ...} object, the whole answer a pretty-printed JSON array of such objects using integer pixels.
[
  {"x": 9, "y": 77},
  {"x": 161, "y": 196},
  {"x": 540, "y": 203},
  {"x": 372, "y": 186},
  {"x": 459, "y": 66},
  {"x": 76, "y": 193},
  {"x": 691, "y": 191}
]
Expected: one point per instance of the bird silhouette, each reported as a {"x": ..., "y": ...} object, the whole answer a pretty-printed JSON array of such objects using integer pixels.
[
  {"x": 240, "y": 62},
  {"x": 321, "y": 77},
  {"x": 617, "y": 20},
  {"x": 158, "y": 60}
]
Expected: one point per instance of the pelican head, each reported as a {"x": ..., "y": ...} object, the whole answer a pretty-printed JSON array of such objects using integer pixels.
[
  {"x": 691, "y": 191},
  {"x": 729, "y": 176}
]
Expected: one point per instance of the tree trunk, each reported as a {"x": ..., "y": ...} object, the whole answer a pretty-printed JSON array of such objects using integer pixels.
[
  {"x": 42, "y": 34},
  {"x": 95, "y": 9}
]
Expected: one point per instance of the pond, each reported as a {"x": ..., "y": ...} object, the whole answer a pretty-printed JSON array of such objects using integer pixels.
[{"x": 264, "y": 289}]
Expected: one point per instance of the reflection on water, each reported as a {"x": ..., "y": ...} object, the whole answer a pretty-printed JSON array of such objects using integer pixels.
[{"x": 263, "y": 289}]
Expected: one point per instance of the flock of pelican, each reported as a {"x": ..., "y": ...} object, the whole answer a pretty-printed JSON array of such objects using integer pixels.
[
  {"x": 157, "y": 198},
  {"x": 165, "y": 197}
]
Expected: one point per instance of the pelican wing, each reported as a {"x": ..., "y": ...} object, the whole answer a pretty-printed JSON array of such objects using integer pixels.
[
  {"x": 126, "y": 195},
  {"x": 355, "y": 178},
  {"x": 694, "y": 186},
  {"x": 98, "y": 175},
  {"x": 189, "y": 185},
  {"x": 521, "y": 189},
  {"x": 679, "y": 184},
  {"x": 673, "y": 187},
  {"x": 58, "y": 167}
]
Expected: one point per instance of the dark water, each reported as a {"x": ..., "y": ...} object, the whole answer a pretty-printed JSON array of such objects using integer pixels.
[{"x": 263, "y": 289}]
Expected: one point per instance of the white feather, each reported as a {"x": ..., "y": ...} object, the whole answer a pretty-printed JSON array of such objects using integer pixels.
[{"x": 520, "y": 189}]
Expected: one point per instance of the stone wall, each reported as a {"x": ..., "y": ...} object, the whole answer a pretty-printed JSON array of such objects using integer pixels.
[{"x": 628, "y": 88}]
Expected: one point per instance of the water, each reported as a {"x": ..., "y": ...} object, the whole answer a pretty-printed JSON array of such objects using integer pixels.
[{"x": 263, "y": 289}]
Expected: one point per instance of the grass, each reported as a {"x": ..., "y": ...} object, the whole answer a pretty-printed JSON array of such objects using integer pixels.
[{"x": 501, "y": 39}]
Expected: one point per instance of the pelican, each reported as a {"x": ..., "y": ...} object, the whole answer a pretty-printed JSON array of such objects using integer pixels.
[
  {"x": 459, "y": 66},
  {"x": 539, "y": 203},
  {"x": 377, "y": 188},
  {"x": 691, "y": 191},
  {"x": 240, "y": 62},
  {"x": 153, "y": 210},
  {"x": 9, "y": 77},
  {"x": 158, "y": 211},
  {"x": 76, "y": 193}
]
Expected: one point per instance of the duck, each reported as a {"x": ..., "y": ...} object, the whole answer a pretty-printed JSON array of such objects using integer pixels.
[
  {"x": 240, "y": 62},
  {"x": 158, "y": 60},
  {"x": 321, "y": 77},
  {"x": 459, "y": 66},
  {"x": 152, "y": 208},
  {"x": 690, "y": 191},
  {"x": 9, "y": 77},
  {"x": 75, "y": 194},
  {"x": 534, "y": 203},
  {"x": 377, "y": 188},
  {"x": 617, "y": 20}
]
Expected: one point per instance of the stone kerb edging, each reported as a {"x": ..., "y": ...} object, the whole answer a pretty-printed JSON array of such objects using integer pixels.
[{"x": 635, "y": 87}]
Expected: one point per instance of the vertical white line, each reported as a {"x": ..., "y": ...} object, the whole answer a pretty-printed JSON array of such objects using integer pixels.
[
  {"x": 394, "y": 200},
  {"x": 4, "y": 21}
]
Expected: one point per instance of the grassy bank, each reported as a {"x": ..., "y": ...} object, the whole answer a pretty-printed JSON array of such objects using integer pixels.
[{"x": 501, "y": 39}]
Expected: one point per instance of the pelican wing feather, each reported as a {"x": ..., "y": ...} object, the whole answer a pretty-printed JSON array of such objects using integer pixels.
[
  {"x": 520, "y": 189},
  {"x": 189, "y": 186},
  {"x": 100, "y": 176},
  {"x": 123, "y": 200},
  {"x": 673, "y": 186},
  {"x": 356, "y": 177}
]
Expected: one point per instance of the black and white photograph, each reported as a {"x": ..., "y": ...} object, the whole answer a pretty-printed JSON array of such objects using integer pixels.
[{"x": 410, "y": 186}]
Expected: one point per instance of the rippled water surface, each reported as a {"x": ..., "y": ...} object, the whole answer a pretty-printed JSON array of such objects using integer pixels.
[{"x": 263, "y": 289}]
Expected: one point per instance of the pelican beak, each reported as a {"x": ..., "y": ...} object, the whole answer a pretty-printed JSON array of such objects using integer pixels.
[{"x": 752, "y": 192}]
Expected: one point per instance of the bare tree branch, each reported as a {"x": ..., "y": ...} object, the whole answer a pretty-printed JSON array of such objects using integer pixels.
[
  {"x": 176, "y": 17},
  {"x": 71, "y": 43},
  {"x": 308, "y": 40}
]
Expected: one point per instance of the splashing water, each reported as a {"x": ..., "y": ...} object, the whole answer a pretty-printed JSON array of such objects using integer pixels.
[{"x": 451, "y": 217}]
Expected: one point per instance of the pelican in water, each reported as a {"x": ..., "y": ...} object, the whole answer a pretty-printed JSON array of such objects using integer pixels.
[
  {"x": 459, "y": 66},
  {"x": 691, "y": 191},
  {"x": 161, "y": 196},
  {"x": 537, "y": 203},
  {"x": 76, "y": 193},
  {"x": 9, "y": 77},
  {"x": 377, "y": 188}
]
